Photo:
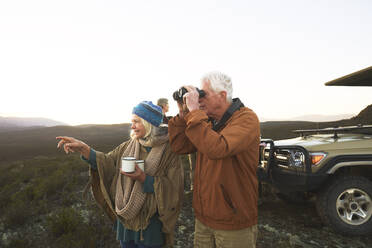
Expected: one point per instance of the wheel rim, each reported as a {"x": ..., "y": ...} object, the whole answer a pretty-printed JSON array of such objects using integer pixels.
[{"x": 354, "y": 206}]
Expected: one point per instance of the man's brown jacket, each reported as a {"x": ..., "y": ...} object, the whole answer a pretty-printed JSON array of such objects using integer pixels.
[{"x": 225, "y": 187}]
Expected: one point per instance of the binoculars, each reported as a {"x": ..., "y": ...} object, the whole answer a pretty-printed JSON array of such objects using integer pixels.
[{"x": 178, "y": 95}]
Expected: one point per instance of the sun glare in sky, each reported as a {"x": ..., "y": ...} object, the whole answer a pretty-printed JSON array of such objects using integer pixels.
[{"x": 83, "y": 62}]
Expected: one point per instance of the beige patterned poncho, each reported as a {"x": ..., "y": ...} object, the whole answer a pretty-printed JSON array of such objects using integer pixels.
[{"x": 121, "y": 197}]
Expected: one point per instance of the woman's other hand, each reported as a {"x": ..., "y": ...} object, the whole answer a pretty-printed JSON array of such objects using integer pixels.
[
  {"x": 70, "y": 144},
  {"x": 138, "y": 174}
]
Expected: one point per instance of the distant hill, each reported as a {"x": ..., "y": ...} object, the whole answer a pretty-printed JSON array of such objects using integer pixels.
[
  {"x": 21, "y": 123},
  {"x": 22, "y": 144},
  {"x": 364, "y": 116},
  {"x": 321, "y": 118},
  {"x": 284, "y": 129}
]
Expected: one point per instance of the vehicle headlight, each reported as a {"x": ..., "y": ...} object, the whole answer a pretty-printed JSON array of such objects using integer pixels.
[
  {"x": 297, "y": 159},
  {"x": 290, "y": 158}
]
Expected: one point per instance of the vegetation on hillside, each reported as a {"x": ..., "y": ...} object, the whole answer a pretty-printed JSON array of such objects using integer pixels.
[
  {"x": 41, "y": 204},
  {"x": 41, "y": 188}
]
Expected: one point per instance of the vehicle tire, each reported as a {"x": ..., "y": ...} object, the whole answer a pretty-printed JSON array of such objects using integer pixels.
[{"x": 345, "y": 204}]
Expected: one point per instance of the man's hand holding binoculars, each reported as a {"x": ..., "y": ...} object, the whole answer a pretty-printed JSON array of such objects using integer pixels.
[{"x": 187, "y": 98}]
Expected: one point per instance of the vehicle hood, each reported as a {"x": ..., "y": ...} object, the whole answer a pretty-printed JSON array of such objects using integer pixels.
[{"x": 321, "y": 142}]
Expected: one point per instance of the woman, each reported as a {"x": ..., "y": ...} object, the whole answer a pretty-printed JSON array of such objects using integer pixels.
[{"x": 144, "y": 204}]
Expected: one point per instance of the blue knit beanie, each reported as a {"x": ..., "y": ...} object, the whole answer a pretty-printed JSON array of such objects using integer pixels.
[{"x": 149, "y": 112}]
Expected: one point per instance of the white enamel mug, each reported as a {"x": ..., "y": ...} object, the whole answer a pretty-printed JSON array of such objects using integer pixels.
[
  {"x": 141, "y": 164},
  {"x": 128, "y": 164}
]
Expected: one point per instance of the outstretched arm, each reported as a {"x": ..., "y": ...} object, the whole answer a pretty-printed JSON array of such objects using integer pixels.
[{"x": 70, "y": 144}]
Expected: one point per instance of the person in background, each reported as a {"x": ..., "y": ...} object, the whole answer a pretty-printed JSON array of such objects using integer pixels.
[
  {"x": 144, "y": 205},
  {"x": 225, "y": 135},
  {"x": 163, "y": 103}
]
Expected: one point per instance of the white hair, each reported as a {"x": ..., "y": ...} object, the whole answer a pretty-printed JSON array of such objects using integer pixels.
[{"x": 219, "y": 82}]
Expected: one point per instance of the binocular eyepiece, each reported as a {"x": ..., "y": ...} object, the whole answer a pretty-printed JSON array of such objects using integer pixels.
[{"x": 178, "y": 95}]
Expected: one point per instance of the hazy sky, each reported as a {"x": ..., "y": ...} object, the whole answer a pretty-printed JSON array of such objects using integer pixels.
[{"x": 85, "y": 62}]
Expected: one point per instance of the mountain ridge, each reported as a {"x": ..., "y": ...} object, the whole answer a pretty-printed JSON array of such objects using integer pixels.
[
  {"x": 20, "y": 123},
  {"x": 20, "y": 144}
]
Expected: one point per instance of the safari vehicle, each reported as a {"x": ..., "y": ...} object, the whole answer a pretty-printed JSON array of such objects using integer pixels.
[{"x": 332, "y": 164}]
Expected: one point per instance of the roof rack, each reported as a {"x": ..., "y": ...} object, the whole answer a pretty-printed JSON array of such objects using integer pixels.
[{"x": 334, "y": 130}]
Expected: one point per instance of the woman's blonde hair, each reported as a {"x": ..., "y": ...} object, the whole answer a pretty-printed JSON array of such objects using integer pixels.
[{"x": 148, "y": 128}]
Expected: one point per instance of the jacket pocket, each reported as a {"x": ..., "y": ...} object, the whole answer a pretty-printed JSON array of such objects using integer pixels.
[
  {"x": 218, "y": 206},
  {"x": 227, "y": 198}
]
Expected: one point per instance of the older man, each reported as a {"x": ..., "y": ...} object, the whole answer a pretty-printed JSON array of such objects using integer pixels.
[{"x": 225, "y": 135}]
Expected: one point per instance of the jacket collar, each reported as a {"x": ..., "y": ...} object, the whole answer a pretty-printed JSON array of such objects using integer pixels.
[{"x": 235, "y": 105}]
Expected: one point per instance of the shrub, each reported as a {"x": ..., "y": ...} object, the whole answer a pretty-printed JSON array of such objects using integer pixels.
[
  {"x": 66, "y": 228},
  {"x": 30, "y": 190},
  {"x": 64, "y": 221},
  {"x": 5, "y": 175},
  {"x": 25, "y": 195},
  {"x": 6, "y": 193},
  {"x": 17, "y": 213},
  {"x": 50, "y": 186},
  {"x": 18, "y": 242}
]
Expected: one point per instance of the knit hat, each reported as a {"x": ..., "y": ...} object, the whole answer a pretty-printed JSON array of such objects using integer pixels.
[{"x": 149, "y": 112}]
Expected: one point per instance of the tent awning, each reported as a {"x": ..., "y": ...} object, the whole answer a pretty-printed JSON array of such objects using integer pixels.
[{"x": 359, "y": 78}]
